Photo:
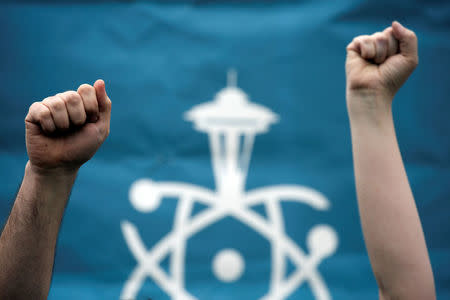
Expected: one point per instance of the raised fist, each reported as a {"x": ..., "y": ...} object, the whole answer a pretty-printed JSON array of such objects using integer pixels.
[
  {"x": 377, "y": 65},
  {"x": 65, "y": 130}
]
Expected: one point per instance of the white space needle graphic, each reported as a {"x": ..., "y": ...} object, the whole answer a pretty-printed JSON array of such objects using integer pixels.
[{"x": 231, "y": 121}]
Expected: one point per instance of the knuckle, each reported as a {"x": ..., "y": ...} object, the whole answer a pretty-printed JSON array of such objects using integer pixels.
[
  {"x": 54, "y": 103},
  {"x": 58, "y": 104},
  {"x": 32, "y": 111},
  {"x": 377, "y": 35},
  {"x": 85, "y": 89},
  {"x": 367, "y": 43},
  {"x": 360, "y": 39},
  {"x": 364, "y": 37},
  {"x": 381, "y": 39},
  {"x": 47, "y": 100},
  {"x": 34, "y": 106},
  {"x": 44, "y": 114},
  {"x": 72, "y": 98}
]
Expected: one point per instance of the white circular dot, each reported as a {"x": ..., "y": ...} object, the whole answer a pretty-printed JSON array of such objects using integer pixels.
[
  {"x": 228, "y": 265},
  {"x": 322, "y": 241},
  {"x": 144, "y": 196}
]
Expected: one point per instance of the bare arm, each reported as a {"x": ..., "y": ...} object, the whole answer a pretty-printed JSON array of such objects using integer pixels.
[
  {"x": 27, "y": 244},
  {"x": 377, "y": 66},
  {"x": 62, "y": 132}
]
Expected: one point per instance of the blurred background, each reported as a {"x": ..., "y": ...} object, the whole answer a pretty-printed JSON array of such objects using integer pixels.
[{"x": 161, "y": 58}]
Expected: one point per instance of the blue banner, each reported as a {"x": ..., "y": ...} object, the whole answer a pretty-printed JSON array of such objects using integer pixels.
[{"x": 228, "y": 170}]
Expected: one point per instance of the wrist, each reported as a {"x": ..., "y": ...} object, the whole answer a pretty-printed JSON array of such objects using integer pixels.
[
  {"x": 45, "y": 192},
  {"x": 369, "y": 107},
  {"x": 56, "y": 173},
  {"x": 40, "y": 203}
]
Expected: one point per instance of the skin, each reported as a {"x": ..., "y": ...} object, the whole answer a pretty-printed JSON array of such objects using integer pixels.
[
  {"x": 62, "y": 132},
  {"x": 65, "y": 131},
  {"x": 376, "y": 67}
]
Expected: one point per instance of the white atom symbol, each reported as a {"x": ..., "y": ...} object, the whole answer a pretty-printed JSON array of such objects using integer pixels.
[{"x": 232, "y": 122}]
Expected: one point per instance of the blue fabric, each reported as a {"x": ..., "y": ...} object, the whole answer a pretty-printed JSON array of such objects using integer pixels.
[{"x": 158, "y": 61}]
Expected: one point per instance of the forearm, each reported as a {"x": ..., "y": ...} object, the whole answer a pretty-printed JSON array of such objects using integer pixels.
[
  {"x": 27, "y": 243},
  {"x": 389, "y": 217}
]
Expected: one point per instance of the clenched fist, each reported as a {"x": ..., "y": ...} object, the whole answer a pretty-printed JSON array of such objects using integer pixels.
[
  {"x": 377, "y": 66},
  {"x": 65, "y": 130}
]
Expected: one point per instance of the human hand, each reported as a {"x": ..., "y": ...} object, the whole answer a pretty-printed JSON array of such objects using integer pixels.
[
  {"x": 64, "y": 131},
  {"x": 377, "y": 66}
]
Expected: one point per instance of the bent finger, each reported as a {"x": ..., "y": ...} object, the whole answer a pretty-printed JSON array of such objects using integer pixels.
[
  {"x": 58, "y": 110},
  {"x": 367, "y": 47},
  {"x": 392, "y": 42},
  {"x": 87, "y": 93},
  {"x": 381, "y": 45},
  {"x": 40, "y": 114},
  {"x": 75, "y": 107}
]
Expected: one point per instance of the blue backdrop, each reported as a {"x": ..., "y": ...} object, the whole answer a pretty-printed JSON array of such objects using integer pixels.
[{"x": 158, "y": 61}]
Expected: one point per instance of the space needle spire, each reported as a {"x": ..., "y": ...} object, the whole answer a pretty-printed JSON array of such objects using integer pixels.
[
  {"x": 231, "y": 121},
  {"x": 232, "y": 78}
]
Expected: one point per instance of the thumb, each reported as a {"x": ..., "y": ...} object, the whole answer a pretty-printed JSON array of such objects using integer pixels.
[
  {"x": 407, "y": 40},
  {"x": 104, "y": 107},
  {"x": 104, "y": 103}
]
